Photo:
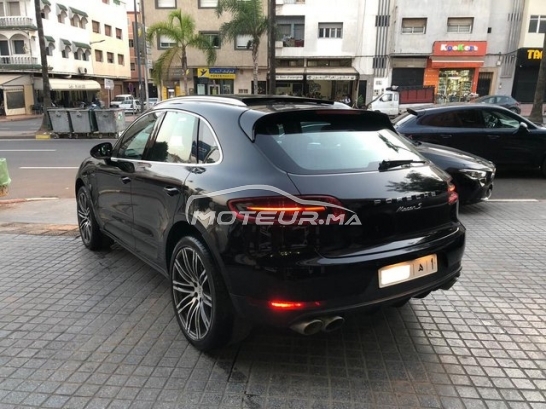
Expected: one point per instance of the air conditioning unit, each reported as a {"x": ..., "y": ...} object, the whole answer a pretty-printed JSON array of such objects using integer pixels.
[{"x": 82, "y": 70}]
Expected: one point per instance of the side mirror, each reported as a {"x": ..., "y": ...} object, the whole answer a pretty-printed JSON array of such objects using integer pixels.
[
  {"x": 102, "y": 151},
  {"x": 523, "y": 127}
]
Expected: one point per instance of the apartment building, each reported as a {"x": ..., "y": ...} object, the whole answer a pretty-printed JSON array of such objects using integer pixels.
[
  {"x": 87, "y": 48},
  {"x": 232, "y": 72}
]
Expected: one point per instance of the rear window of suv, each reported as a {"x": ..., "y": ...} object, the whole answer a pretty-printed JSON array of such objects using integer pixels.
[{"x": 330, "y": 141}]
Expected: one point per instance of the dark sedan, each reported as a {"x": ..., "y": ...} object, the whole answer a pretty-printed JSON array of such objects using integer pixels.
[
  {"x": 472, "y": 176},
  {"x": 255, "y": 220},
  {"x": 491, "y": 132},
  {"x": 505, "y": 101}
]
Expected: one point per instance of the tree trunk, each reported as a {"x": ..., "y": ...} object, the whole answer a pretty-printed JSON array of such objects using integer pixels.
[
  {"x": 46, "y": 126},
  {"x": 254, "y": 69},
  {"x": 272, "y": 36},
  {"x": 184, "y": 70},
  {"x": 536, "y": 112}
]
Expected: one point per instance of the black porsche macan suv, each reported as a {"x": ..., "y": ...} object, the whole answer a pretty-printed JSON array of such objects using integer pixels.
[{"x": 277, "y": 210}]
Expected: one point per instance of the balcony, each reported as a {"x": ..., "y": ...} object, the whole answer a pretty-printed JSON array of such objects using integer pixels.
[
  {"x": 16, "y": 62},
  {"x": 14, "y": 22}
]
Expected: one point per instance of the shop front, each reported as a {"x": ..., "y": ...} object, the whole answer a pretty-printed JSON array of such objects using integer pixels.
[
  {"x": 15, "y": 94},
  {"x": 331, "y": 84},
  {"x": 453, "y": 69},
  {"x": 526, "y": 75},
  {"x": 68, "y": 93},
  {"x": 214, "y": 81}
]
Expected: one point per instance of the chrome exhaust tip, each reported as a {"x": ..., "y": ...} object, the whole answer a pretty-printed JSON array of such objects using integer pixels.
[
  {"x": 308, "y": 327},
  {"x": 332, "y": 323}
]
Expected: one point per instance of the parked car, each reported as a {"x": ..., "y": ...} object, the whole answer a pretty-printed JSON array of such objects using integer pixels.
[
  {"x": 505, "y": 101},
  {"x": 151, "y": 102},
  {"x": 472, "y": 175},
  {"x": 127, "y": 102},
  {"x": 489, "y": 131},
  {"x": 255, "y": 220}
]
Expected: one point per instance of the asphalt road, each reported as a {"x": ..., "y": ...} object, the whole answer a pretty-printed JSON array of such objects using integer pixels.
[
  {"x": 46, "y": 168},
  {"x": 20, "y": 129}
]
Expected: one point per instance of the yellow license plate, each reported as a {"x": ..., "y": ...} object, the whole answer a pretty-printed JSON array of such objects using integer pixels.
[{"x": 408, "y": 270}]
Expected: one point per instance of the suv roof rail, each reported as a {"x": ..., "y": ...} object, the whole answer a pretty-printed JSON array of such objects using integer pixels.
[{"x": 254, "y": 100}]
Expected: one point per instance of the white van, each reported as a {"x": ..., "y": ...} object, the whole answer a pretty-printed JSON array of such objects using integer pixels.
[{"x": 126, "y": 102}]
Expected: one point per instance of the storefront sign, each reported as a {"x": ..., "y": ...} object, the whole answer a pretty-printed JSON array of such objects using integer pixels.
[
  {"x": 459, "y": 48},
  {"x": 289, "y": 77},
  {"x": 529, "y": 57},
  {"x": 216, "y": 73},
  {"x": 332, "y": 77}
]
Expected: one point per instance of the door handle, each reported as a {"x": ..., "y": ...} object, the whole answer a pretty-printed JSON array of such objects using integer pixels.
[
  {"x": 445, "y": 135},
  {"x": 125, "y": 179},
  {"x": 493, "y": 136},
  {"x": 171, "y": 191}
]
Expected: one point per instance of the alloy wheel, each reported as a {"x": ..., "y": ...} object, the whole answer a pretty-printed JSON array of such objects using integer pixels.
[
  {"x": 192, "y": 293},
  {"x": 84, "y": 218}
]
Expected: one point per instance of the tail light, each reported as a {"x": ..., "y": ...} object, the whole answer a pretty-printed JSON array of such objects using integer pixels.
[
  {"x": 452, "y": 195},
  {"x": 281, "y": 305},
  {"x": 285, "y": 211}
]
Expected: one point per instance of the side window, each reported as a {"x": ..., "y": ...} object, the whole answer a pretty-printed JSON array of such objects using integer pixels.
[
  {"x": 137, "y": 136},
  {"x": 207, "y": 150},
  {"x": 442, "y": 120},
  {"x": 386, "y": 98},
  {"x": 497, "y": 119},
  {"x": 174, "y": 139},
  {"x": 470, "y": 119}
]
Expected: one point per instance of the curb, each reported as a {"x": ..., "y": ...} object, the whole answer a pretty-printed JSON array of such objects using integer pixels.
[
  {"x": 43, "y": 136},
  {"x": 69, "y": 230}
]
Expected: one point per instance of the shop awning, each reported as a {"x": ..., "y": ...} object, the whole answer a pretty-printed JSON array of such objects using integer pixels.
[
  {"x": 66, "y": 42},
  {"x": 62, "y": 7},
  {"x": 78, "y": 12},
  {"x": 450, "y": 62},
  {"x": 14, "y": 80},
  {"x": 289, "y": 73},
  {"x": 82, "y": 45},
  {"x": 46, "y": 2},
  {"x": 332, "y": 73},
  {"x": 59, "y": 84}
]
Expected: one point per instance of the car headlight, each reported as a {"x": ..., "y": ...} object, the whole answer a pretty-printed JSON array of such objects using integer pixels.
[{"x": 474, "y": 173}]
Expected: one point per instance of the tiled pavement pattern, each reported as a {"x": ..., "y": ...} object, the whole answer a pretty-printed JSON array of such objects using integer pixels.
[{"x": 79, "y": 329}]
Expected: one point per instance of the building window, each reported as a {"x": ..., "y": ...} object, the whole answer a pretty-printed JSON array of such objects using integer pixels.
[
  {"x": 110, "y": 58},
  {"x": 98, "y": 56},
  {"x": 213, "y": 39},
  {"x": 330, "y": 30},
  {"x": 382, "y": 20},
  {"x": 166, "y": 42},
  {"x": 96, "y": 26},
  {"x": 13, "y": 8},
  {"x": 537, "y": 24},
  {"x": 108, "y": 30},
  {"x": 49, "y": 50},
  {"x": 106, "y": 1},
  {"x": 61, "y": 16},
  {"x": 133, "y": 66},
  {"x": 300, "y": 62},
  {"x": 131, "y": 43},
  {"x": 118, "y": 33},
  {"x": 460, "y": 25},
  {"x": 208, "y": 4},
  {"x": 165, "y": 4},
  {"x": 83, "y": 22},
  {"x": 77, "y": 55},
  {"x": 243, "y": 42},
  {"x": 121, "y": 59},
  {"x": 85, "y": 55},
  {"x": 65, "y": 52},
  {"x": 414, "y": 25},
  {"x": 75, "y": 21},
  {"x": 337, "y": 62},
  {"x": 291, "y": 31}
]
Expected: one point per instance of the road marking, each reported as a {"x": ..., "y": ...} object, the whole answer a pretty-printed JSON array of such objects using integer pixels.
[
  {"x": 513, "y": 200},
  {"x": 28, "y": 150},
  {"x": 49, "y": 167}
]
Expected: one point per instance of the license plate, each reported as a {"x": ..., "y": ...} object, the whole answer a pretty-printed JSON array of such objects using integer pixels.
[{"x": 408, "y": 270}]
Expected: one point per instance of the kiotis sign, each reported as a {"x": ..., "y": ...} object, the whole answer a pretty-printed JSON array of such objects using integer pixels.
[{"x": 451, "y": 48}]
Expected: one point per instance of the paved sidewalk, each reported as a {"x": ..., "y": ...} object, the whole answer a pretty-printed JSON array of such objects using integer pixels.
[{"x": 81, "y": 329}]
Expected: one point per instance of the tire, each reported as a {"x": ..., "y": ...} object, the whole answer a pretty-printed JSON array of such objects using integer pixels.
[
  {"x": 200, "y": 298},
  {"x": 90, "y": 232}
]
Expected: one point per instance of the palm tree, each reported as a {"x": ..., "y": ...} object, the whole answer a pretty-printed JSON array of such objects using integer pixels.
[
  {"x": 180, "y": 28},
  {"x": 536, "y": 111},
  {"x": 248, "y": 19},
  {"x": 43, "y": 60}
]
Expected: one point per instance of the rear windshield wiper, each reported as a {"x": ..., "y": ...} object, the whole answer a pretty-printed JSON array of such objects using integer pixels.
[{"x": 388, "y": 164}]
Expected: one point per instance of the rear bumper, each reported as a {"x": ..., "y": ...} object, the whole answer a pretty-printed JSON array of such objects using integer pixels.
[{"x": 334, "y": 286}]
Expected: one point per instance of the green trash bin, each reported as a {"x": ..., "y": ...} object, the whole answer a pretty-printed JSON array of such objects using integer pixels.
[{"x": 4, "y": 178}]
